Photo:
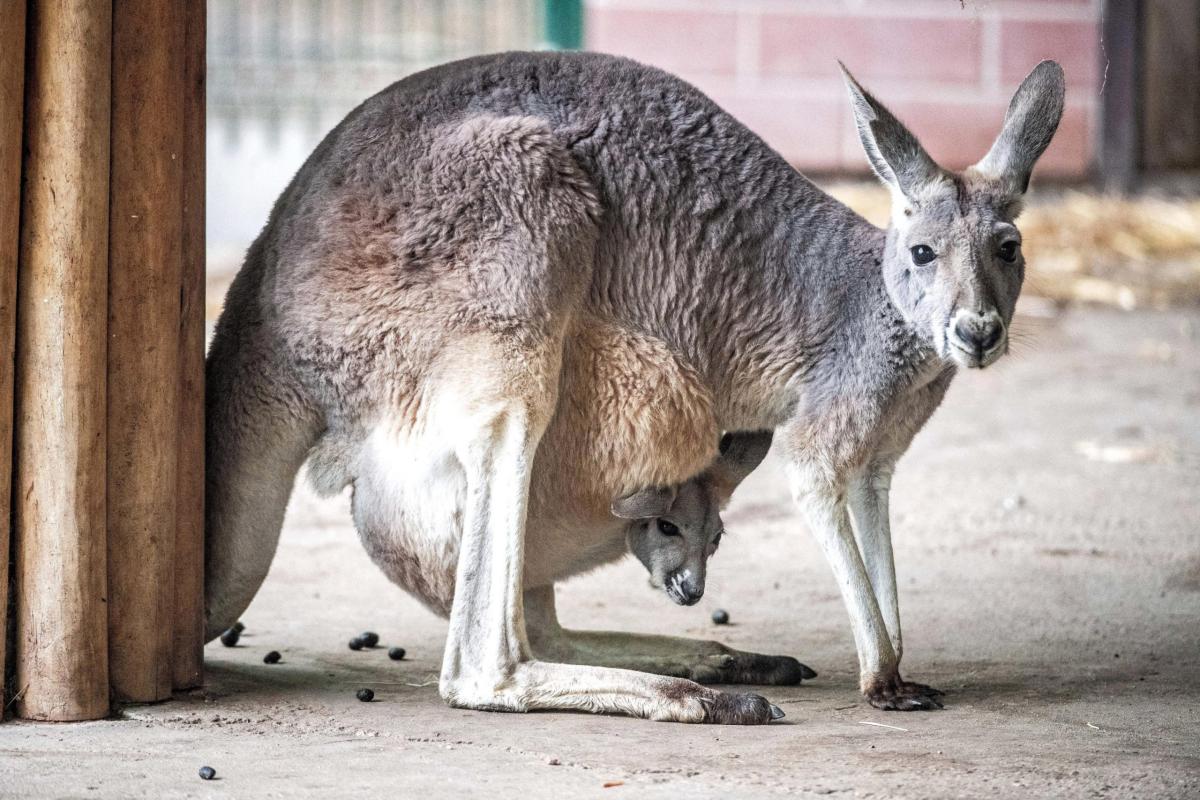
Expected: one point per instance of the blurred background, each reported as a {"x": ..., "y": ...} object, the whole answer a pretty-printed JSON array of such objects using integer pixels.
[{"x": 1115, "y": 219}]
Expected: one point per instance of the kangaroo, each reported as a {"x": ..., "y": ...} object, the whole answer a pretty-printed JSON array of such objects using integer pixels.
[
  {"x": 674, "y": 533},
  {"x": 674, "y": 546},
  {"x": 415, "y": 299}
]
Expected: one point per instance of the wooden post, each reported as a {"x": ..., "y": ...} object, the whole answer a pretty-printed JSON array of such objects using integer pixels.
[
  {"x": 189, "y": 531},
  {"x": 1170, "y": 87},
  {"x": 145, "y": 244},
  {"x": 1119, "y": 101},
  {"x": 61, "y": 643},
  {"x": 12, "y": 104}
]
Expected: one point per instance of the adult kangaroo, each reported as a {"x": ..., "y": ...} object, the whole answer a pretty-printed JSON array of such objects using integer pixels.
[{"x": 406, "y": 311}]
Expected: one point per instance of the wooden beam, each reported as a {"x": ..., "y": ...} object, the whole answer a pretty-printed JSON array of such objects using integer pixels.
[
  {"x": 1119, "y": 99},
  {"x": 1171, "y": 85},
  {"x": 12, "y": 106},
  {"x": 59, "y": 489},
  {"x": 145, "y": 245},
  {"x": 189, "y": 530}
]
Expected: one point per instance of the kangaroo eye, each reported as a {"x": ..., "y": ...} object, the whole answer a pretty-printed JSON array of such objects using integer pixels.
[
  {"x": 1008, "y": 251},
  {"x": 667, "y": 528},
  {"x": 922, "y": 254}
]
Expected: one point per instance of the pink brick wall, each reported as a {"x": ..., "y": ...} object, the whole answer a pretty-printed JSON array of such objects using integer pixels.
[{"x": 946, "y": 68}]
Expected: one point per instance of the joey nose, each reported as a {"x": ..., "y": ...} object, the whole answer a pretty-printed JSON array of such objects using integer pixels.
[
  {"x": 978, "y": 333},
  {"x": 686, "y": 591}
]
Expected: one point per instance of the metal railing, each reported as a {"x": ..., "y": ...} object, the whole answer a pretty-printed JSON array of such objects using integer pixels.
[
  {"x": 266, "y": 57},
  {"x": 283, "y": 72}
]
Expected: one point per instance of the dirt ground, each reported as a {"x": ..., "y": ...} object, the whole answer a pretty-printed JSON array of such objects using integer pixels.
[{"x": 1047, "y": 534}]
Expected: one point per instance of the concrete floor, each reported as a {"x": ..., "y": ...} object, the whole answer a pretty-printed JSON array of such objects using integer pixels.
[{"x": 1047, "y": 534}]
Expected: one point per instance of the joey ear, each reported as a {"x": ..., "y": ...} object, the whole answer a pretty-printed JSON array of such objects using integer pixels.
[
  {"x": 895, "y": 154},
  {"x": 1029, "y": 124},
  {"x": 740, "y": 454},
  {"x": 644, "y": 504}
]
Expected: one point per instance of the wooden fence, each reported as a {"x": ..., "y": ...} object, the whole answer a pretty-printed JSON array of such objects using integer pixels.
[{"x": 102, "y": 335}]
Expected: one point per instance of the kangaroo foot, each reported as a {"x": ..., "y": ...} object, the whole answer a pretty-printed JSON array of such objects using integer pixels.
[
  {"x": 739, "y": 709},
  {"x": 893, "y": 693},
  {"x": 751, "y": 668}
]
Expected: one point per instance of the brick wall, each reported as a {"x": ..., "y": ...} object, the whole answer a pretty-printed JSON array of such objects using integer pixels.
[{"x": 946, "y": 68}]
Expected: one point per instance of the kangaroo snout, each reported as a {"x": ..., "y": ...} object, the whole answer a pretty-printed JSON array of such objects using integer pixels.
[
  {"x": 976, "y": 339},
  {"x": 684, "y": 588}
]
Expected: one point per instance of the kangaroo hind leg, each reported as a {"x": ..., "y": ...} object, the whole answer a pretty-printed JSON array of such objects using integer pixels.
[
  {"x": 698, "y": 660},
  {"x": 488, "y": 663}
]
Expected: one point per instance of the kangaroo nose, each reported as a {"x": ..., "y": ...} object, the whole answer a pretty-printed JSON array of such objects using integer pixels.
[
  {"x": 689, "y": 590},
  {"x": 979, "y": 332}
]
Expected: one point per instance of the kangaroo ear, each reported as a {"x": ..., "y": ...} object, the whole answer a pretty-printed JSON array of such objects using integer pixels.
[
  {"x": 644, "y": 504},
  {"x": 740, "y": 454},
  {"x": 895, "y": 154},
  {"x": 1029, "y": 124}
]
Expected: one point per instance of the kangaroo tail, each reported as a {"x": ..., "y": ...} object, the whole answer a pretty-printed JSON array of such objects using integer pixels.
[{"x": 260, "y": 427}]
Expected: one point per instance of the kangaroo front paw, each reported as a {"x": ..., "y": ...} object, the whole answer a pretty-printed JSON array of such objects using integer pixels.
[
  {"x": 893, "y": 693},
  {"x": 722, "y": 708}
]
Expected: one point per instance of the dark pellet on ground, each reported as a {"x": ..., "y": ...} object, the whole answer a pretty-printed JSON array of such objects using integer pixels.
[
  {"x": 207, "y": 773},
  {"x": 230, "y": 637},
  {"x": 369, "y": 638},
  {"x": 396, "y": 653},
  {"x": 720, "y": 617},
  {"x": 366, "y": 695},
  {"x": 272, "y": 657},
  {"x": 356, "y": 643},
  {"x": 238, "y": 626}
]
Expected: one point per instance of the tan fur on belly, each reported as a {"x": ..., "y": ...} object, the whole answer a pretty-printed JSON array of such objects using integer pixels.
[{"x": 630, "y": 415}]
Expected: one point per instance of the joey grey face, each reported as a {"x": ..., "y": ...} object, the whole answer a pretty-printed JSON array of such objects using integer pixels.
[
  {"x": 953, "y": 262},
  {"x": 673, "y": 531},
  {"x": 674, "y": 544}
]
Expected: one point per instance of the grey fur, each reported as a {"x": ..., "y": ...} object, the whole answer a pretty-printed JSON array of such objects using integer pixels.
[{"x": 458, "y": 222}]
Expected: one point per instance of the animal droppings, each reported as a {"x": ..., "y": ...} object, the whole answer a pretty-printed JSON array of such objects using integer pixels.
[
  {"x": 207, "y": 773},
  {"x": 365, "y": 695},
  {"x": 396, "y": 653},
  {"x": 369, "y": 638},
  {"x": 230, "y": 637},
  {"x": 356, "y": 643},
  {"x": 272, "y": 657},
  {"x": 720, "y": 617}
]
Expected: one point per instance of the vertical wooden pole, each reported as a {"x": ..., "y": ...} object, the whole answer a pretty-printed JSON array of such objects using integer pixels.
[
  {"x": 62, "y": 649},
  {"x": 189, "y": 531},
  {"x": 1120, "y": 63},
  {"x": 12, "y": 106},
  {"x": 145, "y": 244}
]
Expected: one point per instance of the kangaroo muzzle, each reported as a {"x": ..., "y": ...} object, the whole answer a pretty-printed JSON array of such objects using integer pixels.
[
  {"x": 684, "y": 587},
  {"x": 976, "y": 339}
]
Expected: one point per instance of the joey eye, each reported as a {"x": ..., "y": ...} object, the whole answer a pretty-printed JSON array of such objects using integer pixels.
[
  {"x": 922, "y": 254},
  {"x": 1008, "y": 251},
  {"x": 667, "y": 528}
]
